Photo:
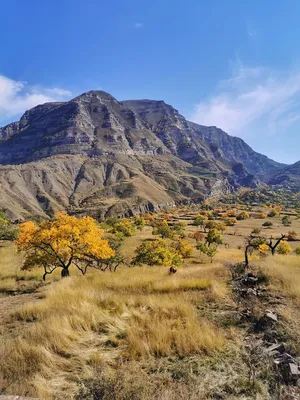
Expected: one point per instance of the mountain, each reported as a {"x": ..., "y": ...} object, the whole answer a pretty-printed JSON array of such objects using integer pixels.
[
  {"x": 171, "y": 127},
  {"x": 102, "y": 156},
  {"x": 287, "y": 178}
]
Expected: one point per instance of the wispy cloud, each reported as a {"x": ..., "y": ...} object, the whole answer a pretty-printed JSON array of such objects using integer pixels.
[
  {"x": 138, "y": 25},
  {"x": 252, "y": 96},
  {"x": 17, "y": 97},
  {"x": 250, "y": 31}
]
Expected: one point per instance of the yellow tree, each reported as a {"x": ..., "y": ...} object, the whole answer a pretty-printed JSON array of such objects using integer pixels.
[{"x": 63, "y": 242}]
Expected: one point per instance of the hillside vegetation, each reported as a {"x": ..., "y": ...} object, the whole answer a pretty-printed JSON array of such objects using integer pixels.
[{"x": 129, "y": 327}]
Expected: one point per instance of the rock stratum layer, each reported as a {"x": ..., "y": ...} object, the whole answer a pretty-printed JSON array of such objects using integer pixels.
[{"x": 96, "y": 155}]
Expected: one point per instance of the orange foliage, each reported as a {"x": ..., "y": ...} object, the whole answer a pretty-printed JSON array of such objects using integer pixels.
[{"x": 63, "y": 242}]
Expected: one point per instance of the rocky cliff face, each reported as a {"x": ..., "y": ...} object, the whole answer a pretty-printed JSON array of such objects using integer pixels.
[{"x": 98, "y": 155}]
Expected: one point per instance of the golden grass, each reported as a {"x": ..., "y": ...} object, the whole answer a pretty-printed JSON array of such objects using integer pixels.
[
  {"x": 102, "y": 318},
  {"x": 284, "y": 271}
]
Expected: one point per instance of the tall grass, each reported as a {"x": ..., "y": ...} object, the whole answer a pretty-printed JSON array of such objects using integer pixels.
[
  {"x": 91, "y": 322},
  {"x": 284, "y": 271}
]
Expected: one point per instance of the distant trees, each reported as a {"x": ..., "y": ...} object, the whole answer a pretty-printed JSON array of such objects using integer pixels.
[{"x": 63, "y": 242}]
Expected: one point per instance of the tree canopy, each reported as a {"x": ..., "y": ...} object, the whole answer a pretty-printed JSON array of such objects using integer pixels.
[
  {"x": 157, "y": 252},
  {"x": 63, "y": 242}
]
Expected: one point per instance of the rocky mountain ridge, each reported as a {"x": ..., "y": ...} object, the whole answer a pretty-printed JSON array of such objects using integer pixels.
[{"x": 98, "y": 155}]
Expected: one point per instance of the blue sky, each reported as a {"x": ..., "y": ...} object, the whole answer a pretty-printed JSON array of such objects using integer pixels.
[{"x": 230, "y": 63}]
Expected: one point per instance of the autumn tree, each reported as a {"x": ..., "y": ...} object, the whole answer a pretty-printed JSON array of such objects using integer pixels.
[
  {"x": 163, "y": 229},
  {"x": 253, "y": 242},
  {"x": 292, "y": 235},
  {"x": 123, "y": 226},
  {"x": 213, "y": 237},
  {"x": 63, "y": 242},
  {"x": 200, "y": 221},
  {"x": 156, "y": 252},
  {"x": 219, "y": 226},
  {"x": 209, "y": 251},
  {"x": 198, "y": 236},
  {"x": 183, "y": 248},
  {"x": 274, "y": 243},
  {"x": 113, "y": 262}
]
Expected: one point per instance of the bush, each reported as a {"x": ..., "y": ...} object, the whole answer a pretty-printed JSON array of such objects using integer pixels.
[
  {"x": 261, "y": 215},
  {"x": 284, "y": 248},
  {"x": 263, "y": 249},
  {"x": 273, "y": 213},
  {"x": 286, "y": 221},
  {"x": 297, "y": 250},
  {"x": 292, "y": 235},
  {"x": 242, "y": 216},
  {"x": 267, "y": 224}
]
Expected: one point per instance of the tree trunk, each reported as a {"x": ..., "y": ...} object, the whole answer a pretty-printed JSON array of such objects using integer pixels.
[
  {"x": 65, "y": 272},
  {"x": 246, "y": 257}
]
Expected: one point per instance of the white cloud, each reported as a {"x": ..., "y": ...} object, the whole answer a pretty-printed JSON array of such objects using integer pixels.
[
  {"x": 252, "y": 96},
  {"x": 17, "y": 97},
  {"x": 138, "y": 25}
]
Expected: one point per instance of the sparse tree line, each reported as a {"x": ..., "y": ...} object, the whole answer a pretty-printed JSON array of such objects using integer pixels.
[{"x": 84, "y": 243}]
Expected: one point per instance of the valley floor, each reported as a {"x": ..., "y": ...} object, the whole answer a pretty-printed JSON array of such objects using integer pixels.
[{"x": 141, "y": 333}]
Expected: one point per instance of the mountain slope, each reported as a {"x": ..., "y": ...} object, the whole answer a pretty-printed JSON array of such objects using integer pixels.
[
  {"x": 98, "y": 155},
  {"x": 173, "y": 128},
  {"x": 287, "y": 178}
]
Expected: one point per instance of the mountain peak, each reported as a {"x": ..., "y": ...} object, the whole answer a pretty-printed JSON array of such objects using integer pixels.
[{"x": 95, "y": 94}]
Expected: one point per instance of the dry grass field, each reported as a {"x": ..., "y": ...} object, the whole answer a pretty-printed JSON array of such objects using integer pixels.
[{"x": 141, "y": 333}]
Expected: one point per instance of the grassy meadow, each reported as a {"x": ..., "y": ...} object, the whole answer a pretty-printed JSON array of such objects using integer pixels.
[{"x": 140, "y": 332}]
